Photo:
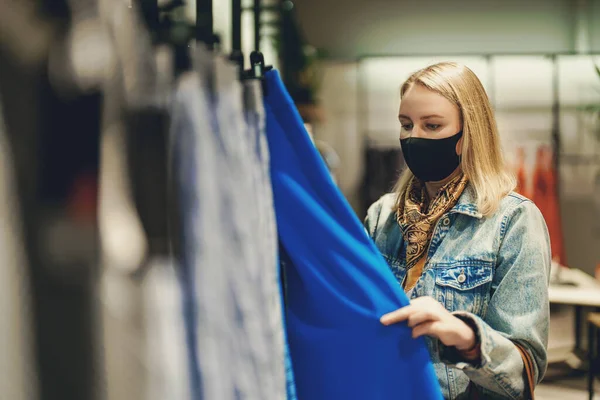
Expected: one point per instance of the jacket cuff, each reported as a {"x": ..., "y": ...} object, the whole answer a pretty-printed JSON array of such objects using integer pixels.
[{"x": 453, "y": 358}]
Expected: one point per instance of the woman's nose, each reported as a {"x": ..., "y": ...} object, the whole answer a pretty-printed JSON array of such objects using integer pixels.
[{"x": 417, "y": 132}]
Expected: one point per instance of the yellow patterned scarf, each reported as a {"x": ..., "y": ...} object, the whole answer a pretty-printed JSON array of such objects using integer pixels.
[{"x": 417, "y": 218}]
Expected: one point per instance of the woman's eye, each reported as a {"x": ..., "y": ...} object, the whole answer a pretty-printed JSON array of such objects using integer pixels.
[
  {"x": 433, "y": 127},
  {"x": 407, "y": 127}
]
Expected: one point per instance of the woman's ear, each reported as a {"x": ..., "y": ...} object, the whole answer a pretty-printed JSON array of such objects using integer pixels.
[{"x": 459, "y": 146}]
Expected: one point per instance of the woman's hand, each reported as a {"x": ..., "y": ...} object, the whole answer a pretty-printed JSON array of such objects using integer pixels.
[{"x": 428, "y": 317}]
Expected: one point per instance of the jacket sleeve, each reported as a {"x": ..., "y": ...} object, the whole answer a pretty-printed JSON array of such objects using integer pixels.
[{"x": 518, "y": 311}]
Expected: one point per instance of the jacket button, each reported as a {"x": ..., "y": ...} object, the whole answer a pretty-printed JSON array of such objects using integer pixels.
[
  {"x": 461, "y": 278},
  {"x": 446, "y": 221}
]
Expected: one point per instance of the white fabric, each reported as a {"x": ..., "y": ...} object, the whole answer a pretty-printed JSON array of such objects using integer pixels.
[
  {"x": 266, "y": 239},
  {"x": 145, "y": 353},
  {"x": 256, "y": 287},
  {"x": 165, "y": 335},
  {"x": 230, "y": 239}
]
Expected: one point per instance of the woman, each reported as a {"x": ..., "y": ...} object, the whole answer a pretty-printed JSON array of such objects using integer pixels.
[{"x": 472, "y": 256}]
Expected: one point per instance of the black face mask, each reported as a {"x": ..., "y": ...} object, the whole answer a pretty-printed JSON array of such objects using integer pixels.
[{"x": 431, "y": 160}]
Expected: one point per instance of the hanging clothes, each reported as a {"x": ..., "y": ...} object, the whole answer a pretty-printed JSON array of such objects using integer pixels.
[
  {"x": 521, "y": 175},
  {"x": 337, "y": 283},
  {"x": 45, "y": 122},
  {"x": 145, "y": 354},
  {"x": 545, "y": 196},
  {"x": 228, "y": 247},
  {"x": 190, "y": 114},
  {"x": 267, "y": 240},
  {"x": 255, "y": 116},
  {"x": 17, "y": 365}
]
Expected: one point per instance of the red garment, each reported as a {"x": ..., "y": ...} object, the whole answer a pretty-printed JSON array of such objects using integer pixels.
[
  {"x": 521, "y": 174},
  {"x": 545, "y": 196},
  {"x": 83, "y": 199}
]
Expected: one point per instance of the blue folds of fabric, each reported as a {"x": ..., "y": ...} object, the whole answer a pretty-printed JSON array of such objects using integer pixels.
[{"x": 337, "y": 283}]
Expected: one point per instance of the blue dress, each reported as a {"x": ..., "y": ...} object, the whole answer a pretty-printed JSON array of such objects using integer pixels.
[{"x": 338, "y": 284}]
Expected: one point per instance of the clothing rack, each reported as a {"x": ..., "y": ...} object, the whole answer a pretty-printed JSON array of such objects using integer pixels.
[
  {"x": 204, "y": 27},
  {"x": 42, "y": 121}
]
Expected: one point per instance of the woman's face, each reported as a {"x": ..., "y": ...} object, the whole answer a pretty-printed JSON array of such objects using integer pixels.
[{"x": 428, "y": 115}]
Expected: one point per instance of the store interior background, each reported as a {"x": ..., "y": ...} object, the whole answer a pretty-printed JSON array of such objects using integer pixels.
[
  {"x": 343, "y": 61},
  {"x": 536, "y": 59},
  {"x": 373, "y": 46}
]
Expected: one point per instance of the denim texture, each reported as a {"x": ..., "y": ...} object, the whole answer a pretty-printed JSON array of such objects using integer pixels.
[{"x": 493, "y": 271}]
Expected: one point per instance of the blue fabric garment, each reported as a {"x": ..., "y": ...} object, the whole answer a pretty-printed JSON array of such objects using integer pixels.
[{"x": 337, "y": 283}]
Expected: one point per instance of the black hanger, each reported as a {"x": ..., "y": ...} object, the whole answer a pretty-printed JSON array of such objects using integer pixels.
[{"x": 258, "y": 69}]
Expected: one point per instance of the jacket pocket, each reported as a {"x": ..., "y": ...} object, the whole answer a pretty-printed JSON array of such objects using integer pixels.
[{"x": 464, "y": 286}]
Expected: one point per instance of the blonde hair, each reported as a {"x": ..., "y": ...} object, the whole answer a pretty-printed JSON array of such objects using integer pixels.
[{"x": 482, "y": 159}]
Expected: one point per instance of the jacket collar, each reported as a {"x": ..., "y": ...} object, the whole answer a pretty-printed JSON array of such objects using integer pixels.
[{"x": 466, "y": 204}]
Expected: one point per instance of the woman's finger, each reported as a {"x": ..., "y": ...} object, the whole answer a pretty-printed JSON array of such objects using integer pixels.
[
  {"x": 429, "y": 328},
  {"x": 420, "y": 316},
  {"x": 402, "y": 314}
]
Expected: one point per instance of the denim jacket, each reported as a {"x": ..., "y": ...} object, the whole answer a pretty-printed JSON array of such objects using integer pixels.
[{"x": 492, "y": 272}]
